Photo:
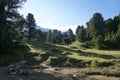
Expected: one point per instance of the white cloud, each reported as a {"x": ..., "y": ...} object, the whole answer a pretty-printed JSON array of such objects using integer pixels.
[{"x": 51, "y": 25}]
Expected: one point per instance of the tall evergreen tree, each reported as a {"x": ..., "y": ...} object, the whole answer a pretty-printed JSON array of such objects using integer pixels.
[
  {"x": 116, "y": 22},
  {"x": 77, "y": 29},
  {"x": 31, "y": 26},
  {"x": 71, "y": 35},
  {"x": 8, "y": 21},
  {"x": 57, "y": 36},
  {"x": 109, "y": 26},
  {"x": 81, "y": 34},
  {"x": 49, "y": 36},
  {"x": 96, "y": 25}
]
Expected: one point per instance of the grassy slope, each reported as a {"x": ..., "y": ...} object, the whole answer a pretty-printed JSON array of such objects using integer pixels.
[
  {"x": 103, "y": 62},
  {"x": 74, "y": 51}
]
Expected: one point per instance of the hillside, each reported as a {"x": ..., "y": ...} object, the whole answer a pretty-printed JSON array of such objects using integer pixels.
[{"x": 88, "y": 61}]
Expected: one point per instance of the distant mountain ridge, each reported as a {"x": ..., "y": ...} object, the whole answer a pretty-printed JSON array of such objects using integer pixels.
[{"x": 42, "y": 29}]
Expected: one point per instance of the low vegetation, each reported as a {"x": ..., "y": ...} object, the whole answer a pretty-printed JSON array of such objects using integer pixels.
[{"x": 92, "y": 61}]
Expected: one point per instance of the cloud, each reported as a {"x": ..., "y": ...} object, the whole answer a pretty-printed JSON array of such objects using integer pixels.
[{"x": 51, "y": 25}]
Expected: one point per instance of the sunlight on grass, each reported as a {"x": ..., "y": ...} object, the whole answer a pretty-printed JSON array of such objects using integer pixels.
[
  {"x": 106, "y": 52},
  {"x": 85, "y": 58},
  {"x": 96, "y": 77},
  {"x": 56, "y": 53}
]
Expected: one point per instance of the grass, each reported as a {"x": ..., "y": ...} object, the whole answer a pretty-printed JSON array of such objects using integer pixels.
[
  {"x": 96, "y": 77},
  {"x": 49, "y": 51}
]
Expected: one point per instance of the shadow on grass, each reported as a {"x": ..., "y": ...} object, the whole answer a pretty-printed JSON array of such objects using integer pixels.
[
  {"x": 90, "y": 54},
  {"x": 58, "y": 55},
  {"x": 49, "y": 47}
]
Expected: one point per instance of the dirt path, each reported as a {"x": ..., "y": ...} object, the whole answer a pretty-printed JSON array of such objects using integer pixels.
[
  {"x": 52, "y": 73},
  {"x": 33, "y": 75},
  {"x": 63, "y": 71}
]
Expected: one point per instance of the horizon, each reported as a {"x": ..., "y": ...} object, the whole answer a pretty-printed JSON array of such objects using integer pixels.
[{"x": 65, "y": 14}]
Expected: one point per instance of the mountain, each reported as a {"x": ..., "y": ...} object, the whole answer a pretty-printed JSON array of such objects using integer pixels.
[{"x": 42, "y": 29}]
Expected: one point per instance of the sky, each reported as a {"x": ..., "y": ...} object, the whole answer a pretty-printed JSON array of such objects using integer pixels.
[{"x": 65, "y": 14}]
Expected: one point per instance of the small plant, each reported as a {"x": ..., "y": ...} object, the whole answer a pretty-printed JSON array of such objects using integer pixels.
[
  {"x": 94, "y": 63},
  {"x": 74, "y": 47},
  {"x": 55, "y": 50}
]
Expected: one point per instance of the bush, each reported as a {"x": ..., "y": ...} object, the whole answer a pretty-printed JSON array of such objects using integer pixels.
[
  {"x": 45, "y": 56},
  {"x": 105, "y": 64},
  {"x": 56, "y": 50},
  {"x": 94, "y": 63},
  {"x": 76, "y": 63},
  {"x": 60, "y": 61},
  {"x": 87, "y": 44},
  {"x": 101, "y": 64},
  {"x": 73, "y": 47}
]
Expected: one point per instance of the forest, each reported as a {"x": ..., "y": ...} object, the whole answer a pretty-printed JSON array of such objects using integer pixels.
[{"x": 20, "y": 40}]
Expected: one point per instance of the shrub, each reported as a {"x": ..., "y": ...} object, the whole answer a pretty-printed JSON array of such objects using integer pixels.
[
  {"x": 56, "y": 50},
  {"x": 73, "y": 47},
  {"x": 58, "y": 61},
  {"x": 94, "y": 63},
  {"x": 87, "y": 44},
  {"x": 105, "y": 64},
  {"x": 44, "y": 57},
  {"x": 76, "y": 63}
]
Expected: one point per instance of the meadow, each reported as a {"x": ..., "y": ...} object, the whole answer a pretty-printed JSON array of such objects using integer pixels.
[{"x": 90, "y": 61}]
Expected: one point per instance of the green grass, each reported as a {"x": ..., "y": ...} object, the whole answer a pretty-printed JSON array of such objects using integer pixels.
[{"x": 49, "y": 52}]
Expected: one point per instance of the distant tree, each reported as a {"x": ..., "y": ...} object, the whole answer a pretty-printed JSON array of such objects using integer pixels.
[
  {"x": 118, "y": 31},
  {"x": 99, "y": 42},
  {"x": 96, "y": 25},
  {"x": 67, "y": 41},
  {"x": 118, "y": 37},
  {"x": 71, "y": 35},
  {"x": 116, "y": 22},
  {"x": 77, "y": 29},
  {"x": 57, "y": 36},
  {"x": 49, "y": 36},
  {"x": 81, "y": 34},
  {"x": 31, "y": 26},
  {"x": 109, "y": 26},
  {"x": 39, "y": 35}
]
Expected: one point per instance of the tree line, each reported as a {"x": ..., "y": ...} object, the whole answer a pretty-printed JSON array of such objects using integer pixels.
[{"x": 100, "y": 33}]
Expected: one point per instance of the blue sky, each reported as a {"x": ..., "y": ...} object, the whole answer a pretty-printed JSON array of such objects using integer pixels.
[{"x": 65, "y": 14}]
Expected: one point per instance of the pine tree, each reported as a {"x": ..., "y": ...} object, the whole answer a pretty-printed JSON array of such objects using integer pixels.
[
  {"x": 31, "y": 26},
  {"x": 49, "y": 36},
  {"x": 8, "y": 21},
  {"x": 96, "y": 25},
  {"x": 81, "y": 34}
]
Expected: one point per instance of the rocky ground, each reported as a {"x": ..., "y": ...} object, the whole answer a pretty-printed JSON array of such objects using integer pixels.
[
  {"x": 52, "y": 73},
  {"x": 46, "y": 74}
]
